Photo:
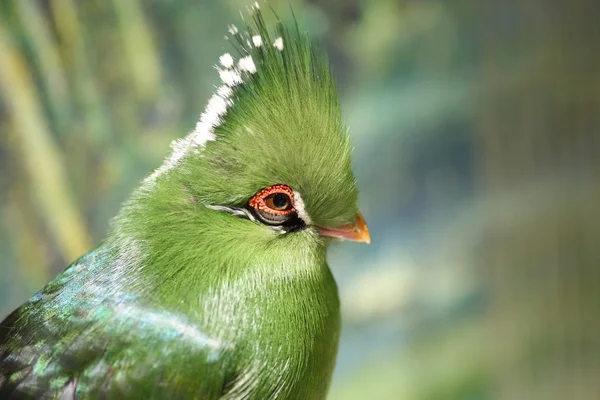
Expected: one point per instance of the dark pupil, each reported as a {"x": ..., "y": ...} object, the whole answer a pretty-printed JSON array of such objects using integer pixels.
[{"x": 280, "y": 200}]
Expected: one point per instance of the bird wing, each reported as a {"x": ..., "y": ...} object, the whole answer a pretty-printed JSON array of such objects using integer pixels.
[{"x": 62, "y": 345}]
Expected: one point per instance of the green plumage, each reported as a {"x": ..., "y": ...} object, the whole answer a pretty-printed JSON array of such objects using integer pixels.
[{"x": 186, "y": 300}]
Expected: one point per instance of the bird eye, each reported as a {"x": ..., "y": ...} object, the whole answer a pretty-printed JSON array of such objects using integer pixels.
[
  {"x": 274, "y": 205},
  {"x": 278, "y": 201}
]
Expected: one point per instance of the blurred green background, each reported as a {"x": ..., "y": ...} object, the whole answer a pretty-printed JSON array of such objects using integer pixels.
[{"x": 476, "y": 127}]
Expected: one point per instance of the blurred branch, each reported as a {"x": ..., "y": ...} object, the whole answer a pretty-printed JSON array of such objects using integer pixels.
[
  {"x": 29, "y": 244},
  {"x": 139, "y": 45},
  {"x": 47, "y": 56},
  {"x": 71, "y": 37},
  {"x": 39, "y": 155}
]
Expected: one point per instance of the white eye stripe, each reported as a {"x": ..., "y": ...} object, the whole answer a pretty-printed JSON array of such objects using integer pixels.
[
  {"x": 300, "y": 209},
  {"x": 234, "y": 211}
]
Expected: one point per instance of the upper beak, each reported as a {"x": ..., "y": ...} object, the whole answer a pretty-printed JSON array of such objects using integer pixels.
[{"x": 356, "y": 232}]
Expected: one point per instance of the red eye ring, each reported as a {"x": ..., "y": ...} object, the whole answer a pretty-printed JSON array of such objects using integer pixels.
[{"x": 263, "y": 200}]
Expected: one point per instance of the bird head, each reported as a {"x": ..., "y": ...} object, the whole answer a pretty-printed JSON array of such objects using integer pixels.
[{"x": 270, "y": 151}]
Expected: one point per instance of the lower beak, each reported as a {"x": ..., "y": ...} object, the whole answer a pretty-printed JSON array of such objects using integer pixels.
[{"x": 356, "y": 232}]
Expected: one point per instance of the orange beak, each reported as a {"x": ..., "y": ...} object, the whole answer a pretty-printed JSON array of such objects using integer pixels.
[{"x": 357, "y": 232}]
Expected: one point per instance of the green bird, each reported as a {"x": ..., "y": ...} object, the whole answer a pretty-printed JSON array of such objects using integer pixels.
[{"x": 212, "y": 282}]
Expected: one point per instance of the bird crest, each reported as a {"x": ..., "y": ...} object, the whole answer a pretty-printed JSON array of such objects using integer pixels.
[
  {"x": 283, "y": 63},
  {"x": 274, "y": 118}
]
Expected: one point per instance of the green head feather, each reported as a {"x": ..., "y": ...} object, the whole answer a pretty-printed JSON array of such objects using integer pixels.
[{"x": 275, "y": 119}]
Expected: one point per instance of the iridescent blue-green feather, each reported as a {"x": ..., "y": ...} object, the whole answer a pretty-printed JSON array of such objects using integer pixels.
[{"x": 80, "y": 335}]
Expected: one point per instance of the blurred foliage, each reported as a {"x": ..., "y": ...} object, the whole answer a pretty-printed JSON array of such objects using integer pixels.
[{"x": 477, "y": 135}]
